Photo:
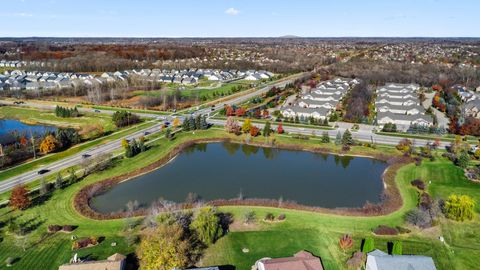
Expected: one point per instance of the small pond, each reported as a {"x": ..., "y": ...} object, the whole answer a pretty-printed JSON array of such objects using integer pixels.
[
  {"x": 8, "y": 126},
  {"x": 225, "y": 170}
]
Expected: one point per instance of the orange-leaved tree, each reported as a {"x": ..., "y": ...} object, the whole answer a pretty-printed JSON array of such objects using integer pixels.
[
  {"x": 49, "y": 144},
  {"x": 19, "y": 198}
]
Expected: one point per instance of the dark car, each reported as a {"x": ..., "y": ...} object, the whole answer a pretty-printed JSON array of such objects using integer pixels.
[
  {"x": 86, "y": 155},
  {"x": 97, "y": 111},
  {"x": 43, "y": 171},
  {"x": 146, "y": 133}
]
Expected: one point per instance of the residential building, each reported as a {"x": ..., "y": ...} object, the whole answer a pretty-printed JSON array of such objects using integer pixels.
[
  {"x": 114, "y": 262},
  {"x": 379, "y": 260},
  {"x": 302, "y": 260}
]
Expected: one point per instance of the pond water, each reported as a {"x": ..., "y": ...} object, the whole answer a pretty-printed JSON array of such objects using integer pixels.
[
  {"x": 225, "y": 170},
  {"x": 8, "y": 126}
]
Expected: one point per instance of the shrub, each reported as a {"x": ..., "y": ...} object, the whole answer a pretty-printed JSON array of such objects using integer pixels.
[
  {"x": 419, "y": 218},
  {"x": 425, "y": 201},
  {"x": 281, "y": 217},
  {"x": 459, "y": 208},
  {"x": 54, "y": 228},
  {"x": 356, "y": 261},
  {"x": 68, "y": 228},
  {"x": 345, "y": 242},
  {"x": 368, "y": 245},
  {"x": 85, "y": 242},
  {"x": 250, "y": 217},
  {"x": 269, "y": 217},
  {"x": 397, "y": 248},
  {"x": 418, "y": 184},
  {"x": 385, "y": 230}
]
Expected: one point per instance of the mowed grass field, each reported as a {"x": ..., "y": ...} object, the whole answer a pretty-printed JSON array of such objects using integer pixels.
[
  {"x": 318, "y": 233},
  {"x": 47, "y": 117}
]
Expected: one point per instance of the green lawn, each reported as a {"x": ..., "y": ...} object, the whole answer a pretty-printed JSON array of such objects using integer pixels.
[
  {"x": 318, "y": 233},
  {"x": 47, "y": 117}
]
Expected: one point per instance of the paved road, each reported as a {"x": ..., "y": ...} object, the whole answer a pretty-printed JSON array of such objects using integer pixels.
[
  {"x": 361, "y": 135},
  {"x": 73, "y": 160}
]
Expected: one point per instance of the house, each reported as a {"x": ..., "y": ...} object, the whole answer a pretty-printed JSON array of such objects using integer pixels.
[
  {"x": 379, "y": 260},
  {"x": 305, "y": 113},
  {"x": 302, "y": 260},
  {"x": 403, "y": 121},
  {"x": 114, "y": 262},
  {"x": 472, "y": 108},
  {"x": 400, "y": 109},
  {"x": 203, "y": 268}
]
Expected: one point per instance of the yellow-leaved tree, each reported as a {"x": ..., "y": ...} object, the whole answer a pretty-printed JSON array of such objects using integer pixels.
[
  {"x": 176, "y": 122},
  {"x": 49, "y": 144},
  {"x": 164, "y": 248}
]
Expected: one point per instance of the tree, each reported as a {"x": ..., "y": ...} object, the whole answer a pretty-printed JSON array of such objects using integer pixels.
[
  {"x": 459, "y": 207},
  {"x": 368, "y": 245},
  {"x": 43, "y": 187},
  {"x": 231, "y": 126},
  {"x": 247, "y": 124},
  {"x": 345, "y": 242},
  {"x": 267, "y": 129},
  {"x": 168, "y": 134},
  {"x": 280, "y": 129},
  {"x": 347, "y": 138},
  {"x": 19, "y": 198},
  {"x": 48, "y": 144},
  {"x": 463, "y": 160},
  {"x": 338, "y": 138},
  {"x": 397, "y": 248},
  {"x": 67, "y": 137},
  {"x": 325, "y": 137},
  {"x": 72, "y": 177},
  {"x": 176, "y": 122},
  {"x": 123, "y": 118},
  {"x": 125, "y": 143},
  {"x": 206, "y": 225},
  {"x": 203, "y": 122},
  {"x": 254, "y": 131},
  {"x": 405, "y": 146},
  {"x": 164, "y": 247},
  {"x": 58, "y": 181}
]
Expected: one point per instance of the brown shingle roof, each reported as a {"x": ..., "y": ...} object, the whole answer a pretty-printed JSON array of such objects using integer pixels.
[
  {"x": 114, "y": 262},
  {"x": 303, "y": 260}
]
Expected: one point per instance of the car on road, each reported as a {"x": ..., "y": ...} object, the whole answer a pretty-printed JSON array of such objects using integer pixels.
[
  {"x": 146, "y": 133},
  {"x": 84, "y": 156},
  {"x": 97, "y": 111},
  {"x": 43, "y": 171},
  {"x": 18, "y": 102}
]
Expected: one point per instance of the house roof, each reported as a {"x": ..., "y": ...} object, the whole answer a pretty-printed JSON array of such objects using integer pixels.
[
  {"x": 404, "y": 117},
  {"x": 114, "y": 262},
  {"x": 385, "y": 261},
  {"x": 301, "y": 261}
]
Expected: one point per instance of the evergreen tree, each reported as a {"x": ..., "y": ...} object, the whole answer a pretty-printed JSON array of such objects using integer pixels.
[
  {"x": 43, "y": 187},
  {"x": 185, "y": 124},
  {"x": 191, "y": 123},
  {"x": 338, "y": 138},
  {"x": 325, "y": 122},
  {"x": 58, "y": 181},
  {"x": 204, "y": 124},
  {"x": 198, "y": 122},
  {"x": 368, "y": 245},
  {"x": 325, "y": 137},
  {"x": 397, "y": 248},
  {"x": 267, "y": 129},
  {"x": 73, "y": 177},
  {"x": 347, "y": 138}
]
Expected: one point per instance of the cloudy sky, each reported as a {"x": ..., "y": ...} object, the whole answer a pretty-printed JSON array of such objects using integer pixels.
[{"x": 239, "y": 18}]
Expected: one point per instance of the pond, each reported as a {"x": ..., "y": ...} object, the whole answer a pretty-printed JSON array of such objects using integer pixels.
[
  {"x": 9, "y": 128},
  {"x": 226, "y": 170}
]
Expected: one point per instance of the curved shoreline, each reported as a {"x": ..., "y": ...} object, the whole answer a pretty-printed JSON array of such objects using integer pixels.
[{"x": 392, "y": 199}]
